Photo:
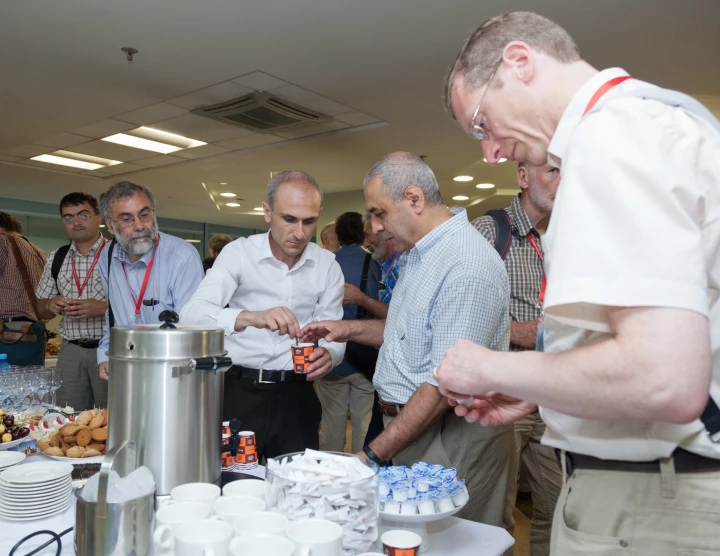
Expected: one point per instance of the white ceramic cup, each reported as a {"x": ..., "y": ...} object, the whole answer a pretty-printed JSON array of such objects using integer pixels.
[
  {"x": 203, "y": 493},
  {"x": 245, "y": 488},
  {"x": 172, "y": 516},
  {"x": 260, "y": 524},
  {"x": 315, "y": 537},
  {"x": 262, "y": 546},
  {"x": 207, "y": 537},
  {"x": 230, "y": 507}
]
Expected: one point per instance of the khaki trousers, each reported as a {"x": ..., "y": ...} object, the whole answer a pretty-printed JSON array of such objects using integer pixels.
[
  {"x": 81, "y": 386},
  {"x": 544, "y": 476},
  {"x": 483, "y": 456},
  {"x": 338, "y": 394},
  {"x": 613, "y": 513}
]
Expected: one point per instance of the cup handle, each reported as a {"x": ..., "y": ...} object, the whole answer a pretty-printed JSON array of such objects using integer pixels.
[{"x": 164, "y": 538}]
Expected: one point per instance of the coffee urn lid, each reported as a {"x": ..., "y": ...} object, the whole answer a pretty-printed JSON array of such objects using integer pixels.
[{"x": 162, "y": 342}]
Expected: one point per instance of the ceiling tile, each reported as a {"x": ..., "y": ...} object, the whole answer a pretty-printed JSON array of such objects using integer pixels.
[
  {"x": 311, "y": 100},
  {"x": 150, "y": 114},
  {"x": 210, "y": 95},
  {"x": 200, "y": 152},
  {"x": 356, "y": 118},
  {"x": 260, "y": 81},
  {"x": 112, "y": 151},
  {"x": 26, "y": 151},
  {"x": 63, "y": 140},
  {"x": 10, "y": 158},
  {"x": 313, "y": 130},
  {"x": 161, "y": 160},
  {"x": 104, "y": 128},
  {"x": 202, "y": 129},
  {"x": 96, "y": 173},
  {"x": 122, "y": 168},
  {"x": 254, "y": 140}
]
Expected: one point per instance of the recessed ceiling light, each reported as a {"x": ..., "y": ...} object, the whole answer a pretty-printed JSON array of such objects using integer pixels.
[
  {"x": 76, "y": 160},
  {"x": 462, "y": 178},
  {"x": 259, "y": 208},
  {"x": 228, "y": 194},
  {"x": 223, "y": 183},
  {"x": 460, "y": 198},
  {"x": 485, "y": 186},
  {"x": 150, "y": 139},
  {"x": 193, "y": 240},
  {"x": 232, "y": 205},
  {"x": 500, "y": 160}
]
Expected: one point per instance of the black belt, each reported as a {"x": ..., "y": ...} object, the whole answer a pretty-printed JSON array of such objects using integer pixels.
[
  {"x": 264, "y": 376},
  {"x": 87, "y": 344},
  {"x": 684, "y": 461}
]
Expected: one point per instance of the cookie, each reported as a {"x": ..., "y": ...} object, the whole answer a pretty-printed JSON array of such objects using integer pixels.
[
  {"x": 52, "y": 451},
  {"x": 68, "y": 429},
  {"x": 43, "y": 444},
  {"x": 84, "y": 437},
  {"x": 100, "y": 434},
  {"x": 91, "y": 453},
  {"x": 99, "y": 446},
  {"x": 97, "y": 421},
  {"x": 75, "y": 452},
  {"x": 84, "y": 418}
]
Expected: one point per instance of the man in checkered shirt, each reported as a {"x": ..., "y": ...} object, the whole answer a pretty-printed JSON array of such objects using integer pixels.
[
  {"x": 529, "y": 214},
  {"x": 79, "y": 297},
  {"x": 454, "y": 286}
]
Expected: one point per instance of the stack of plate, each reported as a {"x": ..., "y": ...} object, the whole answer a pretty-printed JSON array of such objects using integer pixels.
[
  {"x": 8, "y": 459},
  {"x": 35, "y": 490}
]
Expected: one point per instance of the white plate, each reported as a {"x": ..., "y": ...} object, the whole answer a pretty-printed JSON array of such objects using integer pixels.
[
  {"x": 42, "y": 516},
  {"x": 417, "y": 518},
  {"x": 39, "y": 508},
  {"x": 75, "y": 461},
  {"x": 44, "y": 490},
  {"x": 41, "y": 472},
  {"x": 8, "y": 459},
  {"x": 33, "y": 503},
  {"x": 13, "y": 516}
]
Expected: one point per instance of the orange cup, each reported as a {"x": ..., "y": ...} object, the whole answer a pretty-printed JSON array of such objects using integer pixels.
[
  {"x": 247, "y": 438},
  {"x": 227, "y": 461},
  {"x": 246, "y": 458},
  {"x": 300, "y": 354}
]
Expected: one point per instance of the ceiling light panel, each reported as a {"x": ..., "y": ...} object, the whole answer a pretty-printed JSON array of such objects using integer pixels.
[
  {"x": 76, "y": 160},
  {"x": 155, "y": 140}
]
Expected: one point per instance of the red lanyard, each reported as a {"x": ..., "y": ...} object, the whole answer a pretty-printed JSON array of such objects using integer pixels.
[
  {"x": 81, "y": 288},
  {"x": 533, "y": 242},
  {"x": 138, "y": 300}
]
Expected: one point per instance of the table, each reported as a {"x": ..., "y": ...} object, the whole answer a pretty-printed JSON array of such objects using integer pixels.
[{"x": 448, "y": 537}]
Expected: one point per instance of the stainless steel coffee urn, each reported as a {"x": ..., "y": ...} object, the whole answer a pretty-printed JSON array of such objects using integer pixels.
[{"x": 166, "y": 394}]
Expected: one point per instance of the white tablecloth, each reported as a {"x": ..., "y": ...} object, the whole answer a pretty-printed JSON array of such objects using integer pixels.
[{"x": 448, "y": 537}]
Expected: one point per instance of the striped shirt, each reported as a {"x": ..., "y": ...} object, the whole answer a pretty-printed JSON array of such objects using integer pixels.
[
  {"x": 14, "y": 300},
  {"x": 75, "y": 329},
  {"x": 524, "y": 267},
  {"x": 454, "y": 286},
  {"x": 390, "y": 271}
]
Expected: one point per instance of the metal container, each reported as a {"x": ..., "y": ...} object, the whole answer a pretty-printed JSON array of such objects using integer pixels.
[
  {"x": 114, "y": 529},
  {"x": 166, "y": 394}
]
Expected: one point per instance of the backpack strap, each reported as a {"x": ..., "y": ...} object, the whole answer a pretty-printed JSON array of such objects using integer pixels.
[
  {"x": 58, "y": 260},
  {"x": 503, "y": 231},
  {"x": 363, "y": 284},
  {"x": 111, "y": 317}
]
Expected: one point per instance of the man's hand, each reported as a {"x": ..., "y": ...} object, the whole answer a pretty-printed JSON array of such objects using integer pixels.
[
  {"x": 493, "y": 409},
  {"x": 85, "y": 308},
  {"x": 321, "y": 364},
  {"x": 103, "y": 370},
  {"x": 330, "y": 330},
  {"x": 57, "y": 304},
  {"x": 353, "y": 295},
  {"x": 277, "y": 319}
]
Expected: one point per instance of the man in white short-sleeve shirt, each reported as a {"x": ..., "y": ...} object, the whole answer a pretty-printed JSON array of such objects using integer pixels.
[{"x": 632, "y": 323}]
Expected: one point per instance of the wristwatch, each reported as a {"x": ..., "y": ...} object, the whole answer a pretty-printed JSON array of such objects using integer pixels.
[{"x": 373, "y": 456}]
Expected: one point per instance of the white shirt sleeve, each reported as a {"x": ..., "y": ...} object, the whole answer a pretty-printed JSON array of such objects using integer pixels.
[
  {"x": 329, "y": 307},
  {"x": 626, "y": 225},
  {"x": 207, "y": 305}
]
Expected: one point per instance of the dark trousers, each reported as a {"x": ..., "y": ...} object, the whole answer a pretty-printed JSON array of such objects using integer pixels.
[
  {"x": 285, "y": 417},
  {"x": 376, "y": 426}
]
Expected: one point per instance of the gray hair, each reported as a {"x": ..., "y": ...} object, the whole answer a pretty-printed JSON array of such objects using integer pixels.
[
  {"x": 296, "y": 176},
  {"x": 398, "y": 171},
  {"x": 122, "y": 190},
  {"x": 483, "y": 49}
]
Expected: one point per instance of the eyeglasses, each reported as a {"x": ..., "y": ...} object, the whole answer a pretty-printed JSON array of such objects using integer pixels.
[
  {"x": 478, "y": 131},
  {"x": 69, "y": 218},
  {"x": 128, "y": 219}
]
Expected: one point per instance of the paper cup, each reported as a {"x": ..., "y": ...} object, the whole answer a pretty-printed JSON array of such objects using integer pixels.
[
  {"x": 401, "y": 543},
  {"x": 300, "y": 354}
]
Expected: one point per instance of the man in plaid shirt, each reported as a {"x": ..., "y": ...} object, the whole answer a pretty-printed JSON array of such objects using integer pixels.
[
  {"x": 78, "y": 296},
  {"x": 529, "y": 214}
]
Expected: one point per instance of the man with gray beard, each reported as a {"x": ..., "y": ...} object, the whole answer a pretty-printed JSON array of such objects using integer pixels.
[{"x": 144, "y": 272}]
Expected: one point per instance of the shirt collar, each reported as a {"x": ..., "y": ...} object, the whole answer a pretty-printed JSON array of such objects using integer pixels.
[
  {"x": 561, "y": 139},
  {"x": 267, "y": 254},
  {"x": 448, "y": 227},
  {"x": 122, "y": 256},
  {"x": 519, "y": 217},
  {"x": 92, "y": 250}
]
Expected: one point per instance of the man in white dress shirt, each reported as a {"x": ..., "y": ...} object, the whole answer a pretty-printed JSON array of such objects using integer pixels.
[
  {"x": 632, "y": 319},
  {"x": 262, "y": 290}
]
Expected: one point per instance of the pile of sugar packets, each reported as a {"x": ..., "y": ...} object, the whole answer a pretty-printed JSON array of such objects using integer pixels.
[{"x": 424, "y": 489}]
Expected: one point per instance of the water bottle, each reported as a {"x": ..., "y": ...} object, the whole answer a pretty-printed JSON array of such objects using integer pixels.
[{"x": 4, "y": 365}]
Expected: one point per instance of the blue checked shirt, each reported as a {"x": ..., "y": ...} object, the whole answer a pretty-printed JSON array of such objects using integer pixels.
[
  {"x": 454, "y": 285},
  {"x": 390, "y": 271}
]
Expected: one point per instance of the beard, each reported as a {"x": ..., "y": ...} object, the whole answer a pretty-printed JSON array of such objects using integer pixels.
[
  {"x": 129, "y": 244},
  {"x": 380, "y": 253}
]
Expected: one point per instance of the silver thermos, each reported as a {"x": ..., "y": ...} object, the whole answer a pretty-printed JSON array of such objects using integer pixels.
[{"x": 166, "y": 395}]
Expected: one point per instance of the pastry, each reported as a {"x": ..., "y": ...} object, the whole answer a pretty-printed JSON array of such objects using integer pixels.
[
  {"x": 105, "y": 415},
  {"x": 52, "y": 451},
  {"x": 84, "y": 437},
  {"x": 68, "y": 429},
  {"x": 91, "y": 453},
  {"x": 75, "y": 452},
  {"x": 43, "y": 444},
  {"x": 84, "y": 418},
  {"x": 54, "y": 439},
  {"x": 97, "y": 421},
  {"x": 100, "y": 434},
  {"x": 69, "y": 440}
]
